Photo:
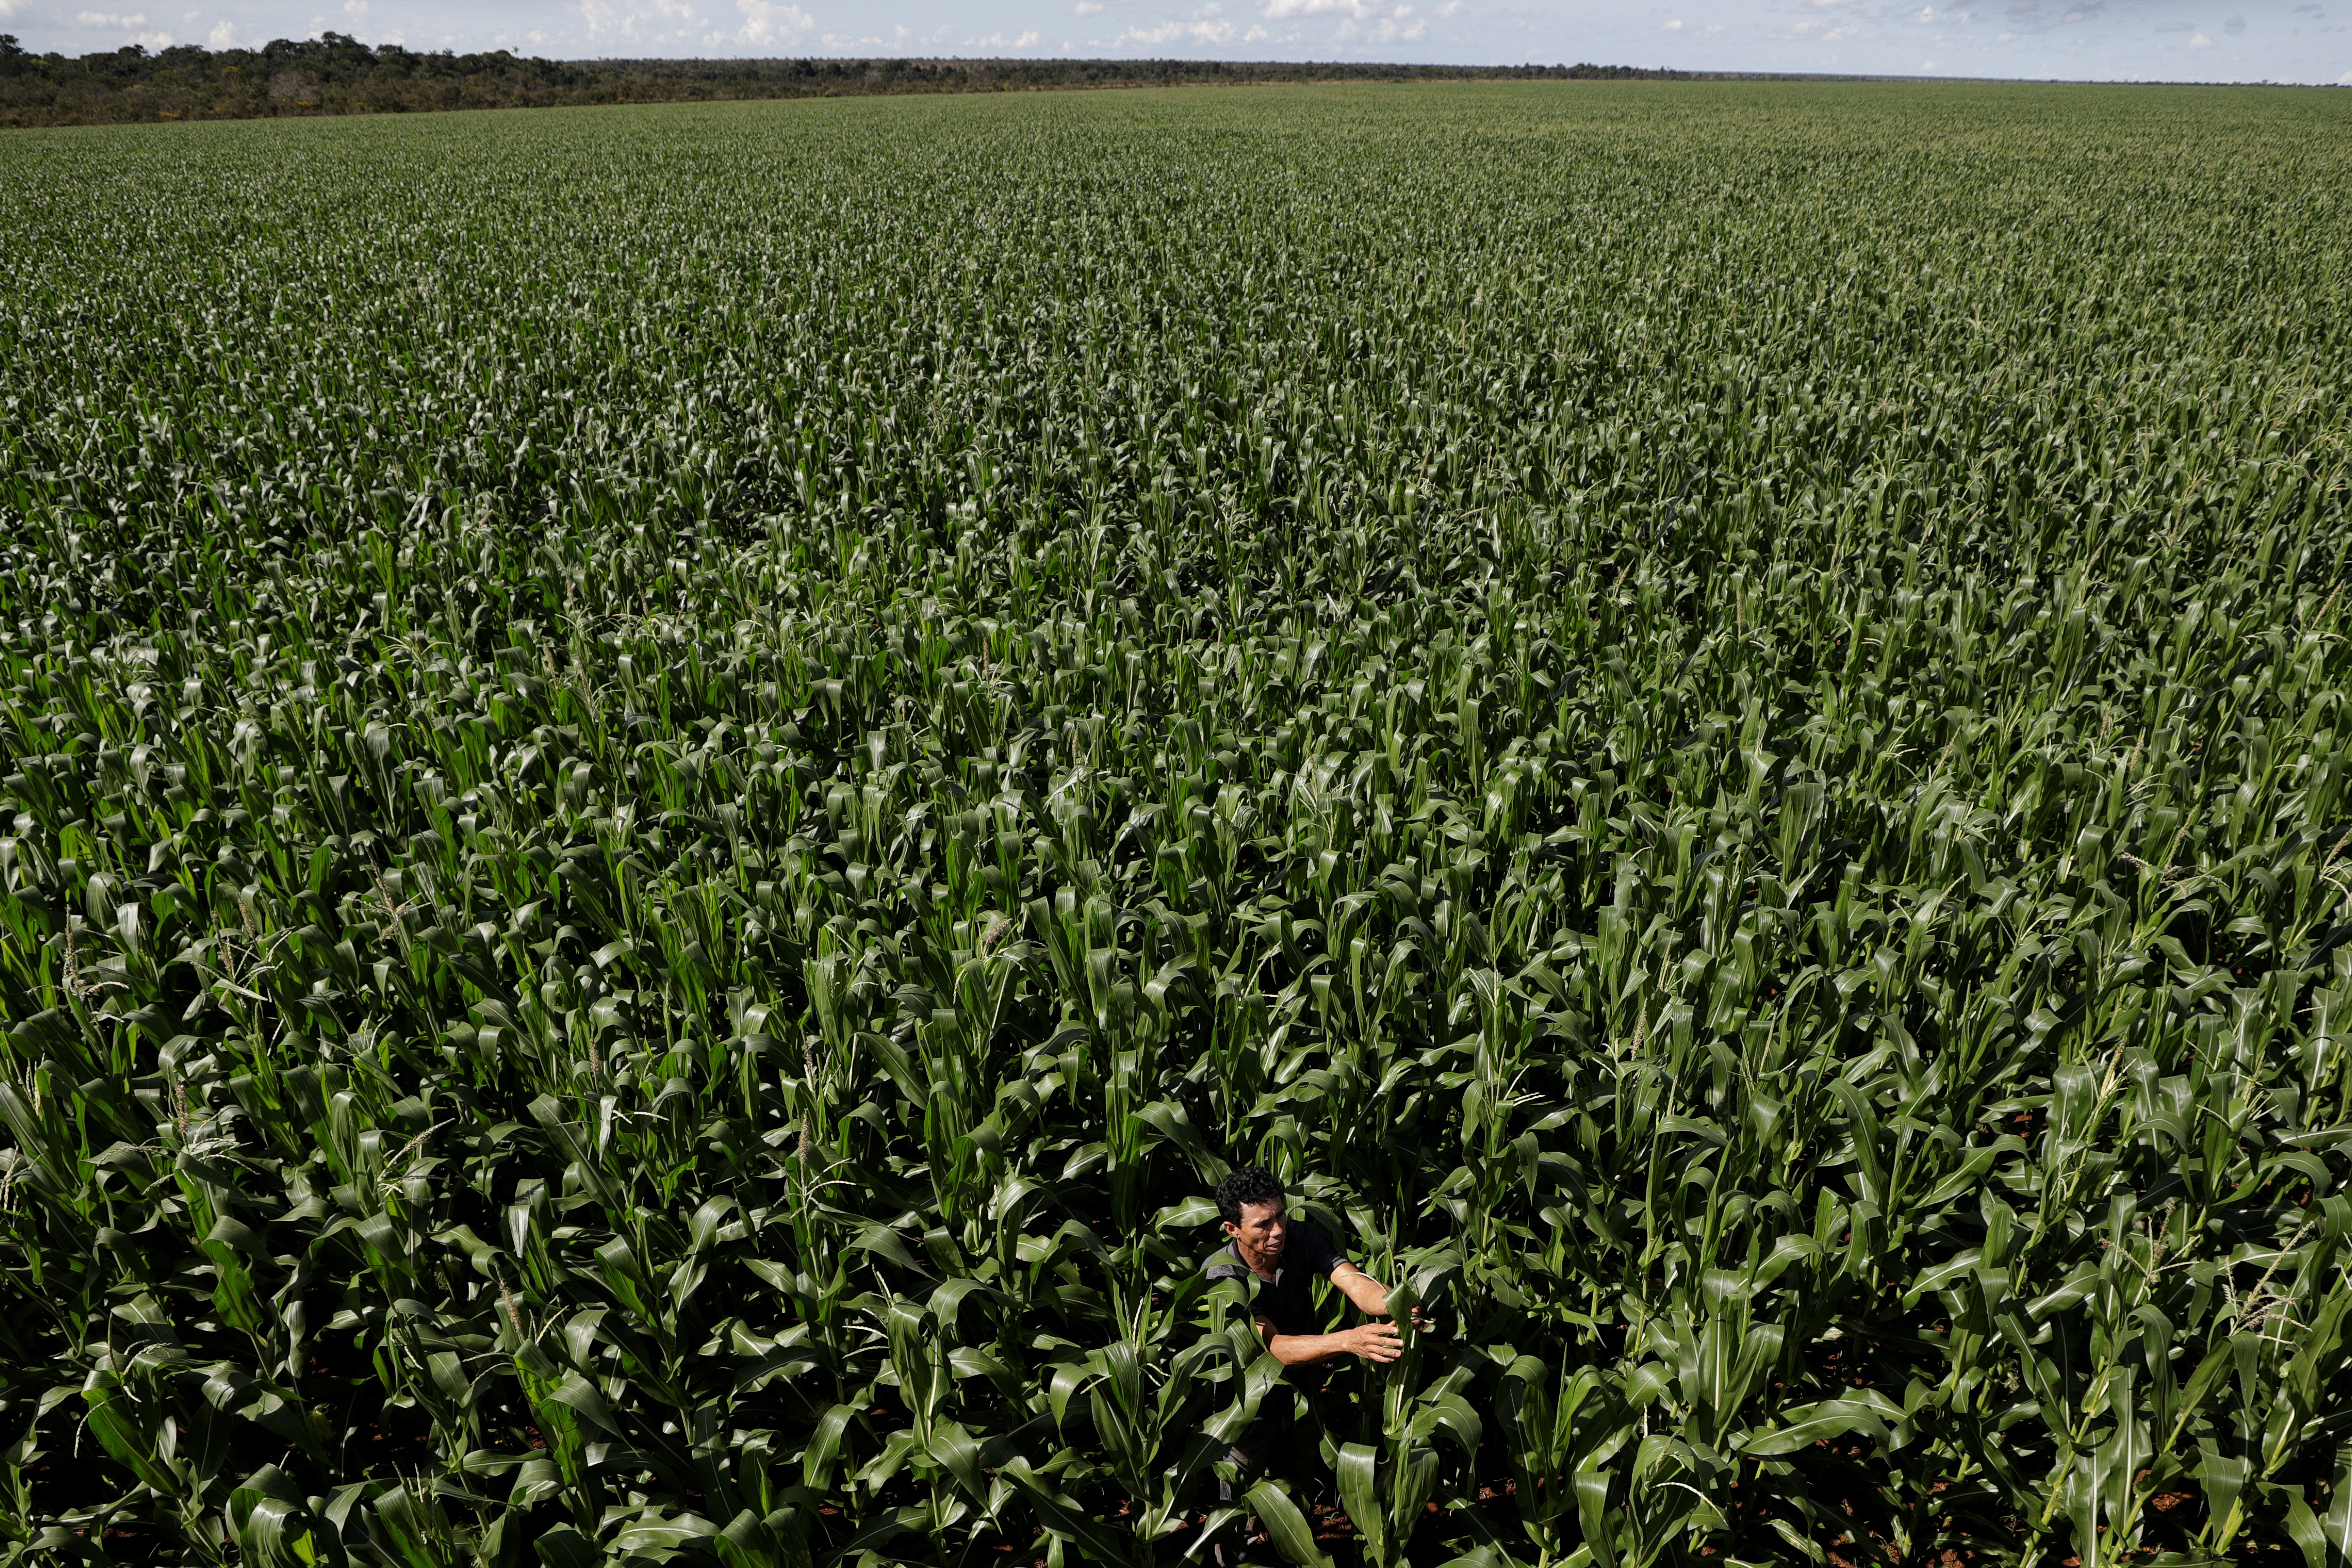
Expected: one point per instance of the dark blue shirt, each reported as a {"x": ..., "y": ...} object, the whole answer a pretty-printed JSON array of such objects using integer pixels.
[{"x": 1284, "y": 1301}]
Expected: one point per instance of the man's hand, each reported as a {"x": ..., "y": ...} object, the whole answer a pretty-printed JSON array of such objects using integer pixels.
[
  {"x": 1378, "y": 1341},
  {"x": 1369, "y": 1295}
]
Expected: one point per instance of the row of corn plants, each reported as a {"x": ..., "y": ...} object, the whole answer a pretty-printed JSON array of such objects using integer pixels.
[{"x": 673, "y": 782}]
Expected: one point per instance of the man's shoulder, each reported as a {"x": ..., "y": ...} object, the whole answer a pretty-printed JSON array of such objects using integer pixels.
[
  {"x": 1315, "y": 1249},
  {"x": 1224, "y": 1263}
]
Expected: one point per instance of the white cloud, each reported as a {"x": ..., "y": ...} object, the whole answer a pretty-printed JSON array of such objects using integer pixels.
[
  {"x": 1088, "y": 7},
  {"x": 1354, "y": 10},
  {"x": 1453, "y": 8},
  {"x": 355, "y": 7},
  {"x": 765, "y": 22},
  {"x": 2344, "y": 80},
  {"x": 2201, "y": 42},
  {"x": 1673, "y": 26},
  {"x": 224, "y": 34},
  {"x": 606, "y": 18},
  {"x": 109, "y": 20},
  {"x": 1926, "y": 65},
  {"x": 1208, "y": 25}
]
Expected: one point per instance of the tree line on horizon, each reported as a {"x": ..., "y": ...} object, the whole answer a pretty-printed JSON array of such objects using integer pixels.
[{"x": 336, "y": 74}]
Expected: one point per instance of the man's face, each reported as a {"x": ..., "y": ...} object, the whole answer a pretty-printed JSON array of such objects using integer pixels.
[{"x": 1259, "y": 1235}]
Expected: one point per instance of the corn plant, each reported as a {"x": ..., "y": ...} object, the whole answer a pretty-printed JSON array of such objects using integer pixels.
[{"x": 639, "y": 898}]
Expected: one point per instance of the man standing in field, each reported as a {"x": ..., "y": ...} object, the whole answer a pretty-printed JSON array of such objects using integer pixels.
[{"x": 1279, "y": 1257}]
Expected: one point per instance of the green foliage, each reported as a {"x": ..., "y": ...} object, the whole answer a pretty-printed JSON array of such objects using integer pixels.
[
  {"x": 674, "y": 781},
  {"x": 334, "y": 73}
]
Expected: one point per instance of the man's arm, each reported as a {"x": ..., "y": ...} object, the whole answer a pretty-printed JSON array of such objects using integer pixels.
[
  {"x": 1376, "y": 1341},
  {"x": 1373, "y": 1342},
  {"x": 1371, "y": 1297}
]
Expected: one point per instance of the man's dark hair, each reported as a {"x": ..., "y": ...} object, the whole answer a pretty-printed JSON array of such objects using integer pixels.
[{"x": 1250, "y": 1184}]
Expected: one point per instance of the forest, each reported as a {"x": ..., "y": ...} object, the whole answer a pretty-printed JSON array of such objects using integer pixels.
[{"x": 336, "y": 74}]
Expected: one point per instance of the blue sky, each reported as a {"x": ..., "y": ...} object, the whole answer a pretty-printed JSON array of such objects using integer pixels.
[{"x": 2213, "y": 41}]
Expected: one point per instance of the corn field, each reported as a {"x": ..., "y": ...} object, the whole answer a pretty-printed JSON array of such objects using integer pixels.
[{"x": 676, "y": 779}]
